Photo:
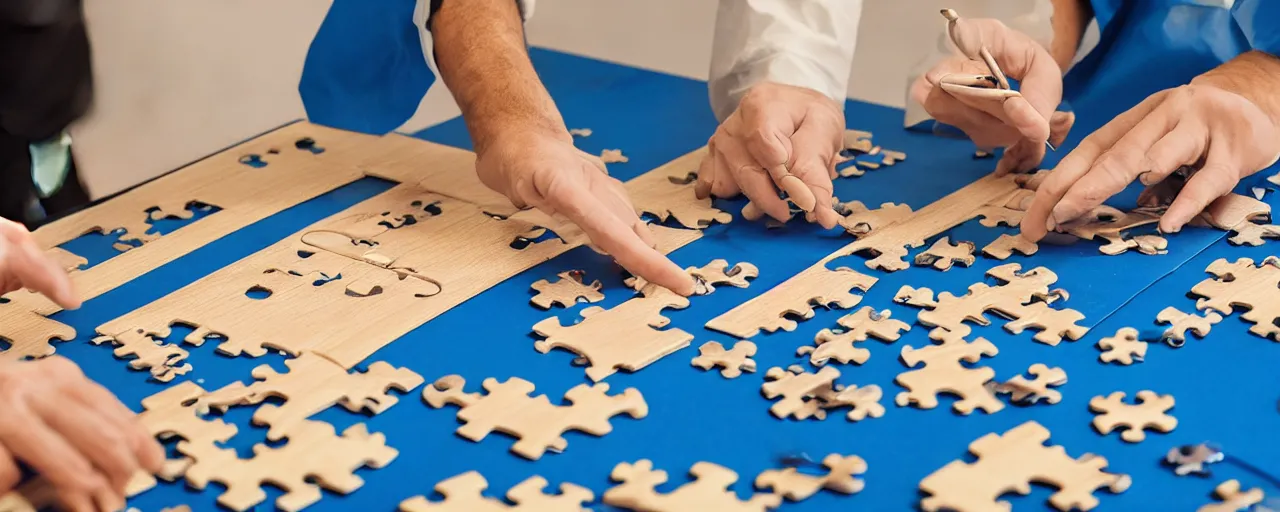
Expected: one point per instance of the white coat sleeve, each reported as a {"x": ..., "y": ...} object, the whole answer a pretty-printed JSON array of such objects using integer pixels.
[{"x": 806, "y": 43}]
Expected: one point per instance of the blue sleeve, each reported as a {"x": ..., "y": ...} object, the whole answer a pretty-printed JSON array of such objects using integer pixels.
[
  {"x": 365, "y": 70},
  {"x": 1259, "y": 20}
]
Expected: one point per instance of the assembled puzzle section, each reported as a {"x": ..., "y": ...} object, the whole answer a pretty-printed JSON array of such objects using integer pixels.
[
  {"x": 1010, "y": 463},
  {"x": 1023, "y": 297},
  {"x": 534, "y": 421},
  {"x": 463, "y": 493},
  {"x": 314, "y": 457},
  {"x": 669, "y": 193},
  {"x": 1244, "y": 285},
  {"x": 312, "y": 384},
  {"x": 173, "y": 413},
  {"x": 638, "y": 483},
  {"x": 629, "y": 336},
  {"x": 805, "y": 395}
]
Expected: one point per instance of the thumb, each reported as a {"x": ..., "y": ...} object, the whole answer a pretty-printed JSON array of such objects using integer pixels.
[{"x": 1060, "y": 124}]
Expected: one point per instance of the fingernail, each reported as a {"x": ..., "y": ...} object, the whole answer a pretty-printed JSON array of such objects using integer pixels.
[
  {"x": 1050, "y": 224},
  {"x": 751, "y": 212},
  {"x": 1146, "y": 178}
]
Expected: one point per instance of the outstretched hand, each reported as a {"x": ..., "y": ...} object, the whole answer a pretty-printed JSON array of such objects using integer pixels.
[
  {"x": 547, "y": 172},
  {"x": 24, "y": 265}
]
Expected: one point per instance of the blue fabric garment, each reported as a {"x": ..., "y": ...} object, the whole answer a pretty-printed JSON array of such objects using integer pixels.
[
  {"x": 1151, "y": 45},
  {"x": 365, "y": 70}
]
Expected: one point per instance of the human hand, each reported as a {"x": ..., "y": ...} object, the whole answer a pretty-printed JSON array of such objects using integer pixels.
[
  {"x": 72, "y": 432},
  {"x": 1225, "y": 125},
  {"x": 957, "y": 93},
  {"x": 24, "y": 265},
  {"x": 546, "y": 171},
  {"x": 781, "y": 137}
]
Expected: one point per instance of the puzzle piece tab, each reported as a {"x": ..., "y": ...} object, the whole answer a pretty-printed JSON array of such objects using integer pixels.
[
  {"x": 796, "y": 486},
  {"x": 943, "y": 372},
  {"x": 1180, "y": 323},
  {"x": 534, "y": 421},
  {"x": 732, "y": 362},
  {"x": 858, "y": 327},
  {"x": 709, "y": 491},
  {"x": 462, "y": 493},
  {"x": 1123, "y": 348},
  {"x": 943, "y": 254},
  {"x": 164, "y": 360}
]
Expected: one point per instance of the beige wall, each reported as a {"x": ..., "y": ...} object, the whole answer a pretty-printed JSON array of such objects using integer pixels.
[{"x": 180, "y": 80}]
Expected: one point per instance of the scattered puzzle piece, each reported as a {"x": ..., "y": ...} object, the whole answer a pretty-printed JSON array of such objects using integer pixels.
[
  {"x": 1250, "y": 233},
  {"x": 566, "y": 291},
  {"x": 1193, "y": 459},
  {"x": 1246, "y": 286},
  {"x": 1180, "y": 323},
  {"x": 796, "y": 486},
  {"x": 943, "y": 254},
  {"x": 1148, "y": 413},
  {"x": 1011, "y": 463},
  {"x": 1032, "y": 391},
  {"x": 535, "y": 421},
  {"x": 314, "y": 457},
  {"x": 580, "y": 132},
  {"x": 1123, "y": 348},
  {"x": 313, "y": 384},
  {"x": 1232, "y": 499},
  {"x": 994, "y": 216},
  {"x": 462, "y": 493},
  {"x": 943, "y": 372},
  {"x": 613, "y": 156},
  {"x": 732, "y": 362},
  {"x": 799, "y": 391},
  {"x": 1004, "y": 247},
  {"x": 858, "y": 327},
  {"x": 165, "y": 360},
  {"x": 864, "y": 401},
  {"x": 709, "y": 491}
]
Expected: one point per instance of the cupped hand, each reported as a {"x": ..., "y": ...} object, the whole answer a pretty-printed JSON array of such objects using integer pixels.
[
  {"x": 24, "y": 265},
  {"x": 545, "y": 171},
  {"x": 72, "y": 432},
  {"x": 780, "y": 138},
  {"x": 957, "y": 92}
]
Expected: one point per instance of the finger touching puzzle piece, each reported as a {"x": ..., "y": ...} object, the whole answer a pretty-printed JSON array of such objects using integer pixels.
[
  {"x": 462, "y": 493},
  {"x": 1011, "y": 462},
  {"x": 1004, "y": 247},
  {"x": 709, "y": 491},
  {"x": 1032, "y": 391},
  {"x": 796, "y": 486},
  {"x": 1148, "y": 413},
  {"x": 1122, "y": 348},
  {"x": 815, "y": 286},
  {"x": 858, "y": 220},
  {"x": 857, "y": 327},
  {"x": 1180, "y": 323},
  {"x": 732, "y": 362},
  {"x": 1232, "y": 498},
  {"x": 534, "y": 421},
  {"x": 566, "y": 291}
]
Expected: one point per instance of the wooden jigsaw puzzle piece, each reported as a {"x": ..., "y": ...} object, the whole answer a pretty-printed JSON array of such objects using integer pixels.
[
  {"x": 1148, "y": 413},
  {"x": 29, "y": 332},
  {"x": 1232, "y": 498},
  {"x": 1022, "y": 390},
  {"x": 1004, "y": 247},
  {"x": 864, "y": 401},
  {"x": 815, "y": 286},
  {"x": 944, "y": 373},
  {"x": 858, "y": 327},
  {"x": 566, "y": 291},
  {"x": 732, "y": 362},
  {"x": 165, "y": 361},
  {"x": 796, "y": 486},
  {"x": 858, "y": 220},
  {"x": 1122, "y": 348},
  {"x": 1180, "y": 323},
  {"x": 798, "y": 390},
  {"x": 709, "y": 490},
  {"x": 463, "y": 494},
  {"x": 943, "y": 254}
]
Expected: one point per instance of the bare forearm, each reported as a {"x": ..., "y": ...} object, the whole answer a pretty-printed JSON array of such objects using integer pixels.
[
  {"x": 480, "y": 51},
  {"x": 1070, "y": 19},
  {"x": 1252, "y": 75}
]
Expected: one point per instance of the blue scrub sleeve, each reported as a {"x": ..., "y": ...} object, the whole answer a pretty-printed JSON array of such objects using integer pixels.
[{"x": 1259, "y": 20}]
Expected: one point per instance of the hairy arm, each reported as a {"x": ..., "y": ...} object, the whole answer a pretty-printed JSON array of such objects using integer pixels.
[
  {"x": 1070, "y": 19},
  {"x": 481, "y": 54}
]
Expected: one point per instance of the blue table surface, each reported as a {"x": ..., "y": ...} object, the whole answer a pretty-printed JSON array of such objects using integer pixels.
[{"x": 1223, "y": 394}]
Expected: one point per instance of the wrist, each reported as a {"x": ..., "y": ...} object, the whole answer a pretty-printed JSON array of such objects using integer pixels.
[
  {"x": 492, "y": 130},
  {"x": 1250, "y": 75}
]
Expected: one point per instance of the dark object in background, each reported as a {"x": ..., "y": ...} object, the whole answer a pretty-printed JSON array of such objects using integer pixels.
[{"x": 46, "y": 83}]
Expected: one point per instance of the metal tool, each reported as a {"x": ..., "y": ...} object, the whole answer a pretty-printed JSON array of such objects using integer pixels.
[{"x": 997, "y": 77}]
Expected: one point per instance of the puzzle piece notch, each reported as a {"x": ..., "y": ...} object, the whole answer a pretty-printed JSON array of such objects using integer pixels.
[
  {"x": 29, "y": 333},
  {"x": 1193, "y": 459},
  {"x": 1022, "y": 390},
  {"x": 1148, "y": 413},
  {"x": 566, "y": 291},
  {"x": 164, "y": 360},
  {"x": 993, "y": 216},
  {"x": 1011, "y": 462},
  {"x": 731, "y": 362},
  {"x": 313, "y": 384},
  {"x": 173, "y": 412},
  {"x": 943, "y": 254},
  {"x": 858, "y": 327},
  {"x": 796, "y": 486},
  {"x": 628, "y": 336},
  {"x": 943, "y": 372},
  {"x": 1232, "y": 498},
  {"x": 709, "y": 490},
  {"x": 1004, "y": 247},
  {"x": 314, "y": 453},
  {"x": 1123, "y": 348},
  {"x": 1179, "y": 323},
  {"x": 463, "y": 493},
  {"x": 534, "y": 421},
  {"x": 1241, "y": 284}
]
